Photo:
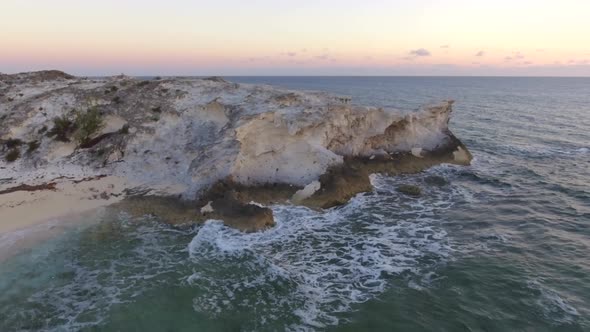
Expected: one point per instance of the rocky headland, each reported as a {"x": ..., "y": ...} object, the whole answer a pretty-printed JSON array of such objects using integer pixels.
[{"x": 189, "y": 149}]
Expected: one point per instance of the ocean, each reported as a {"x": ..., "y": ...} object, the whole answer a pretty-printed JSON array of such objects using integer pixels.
[{"x": 501, "y": 245}]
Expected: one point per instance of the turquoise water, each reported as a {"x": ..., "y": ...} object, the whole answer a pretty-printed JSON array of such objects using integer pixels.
[{"x": 501, "y": 246}]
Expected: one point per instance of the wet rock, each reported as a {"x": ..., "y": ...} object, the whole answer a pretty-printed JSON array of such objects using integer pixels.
[
  {"x": 245, "y": 217},
  {"x": 435, "y": 180},
  {"x": 409, "y": 190},
  {"x": 172, "y": 210}
]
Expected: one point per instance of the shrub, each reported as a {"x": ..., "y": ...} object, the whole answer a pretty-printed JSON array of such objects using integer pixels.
[
  {"x": 87, "y": 124},
  {"x": 157, "y": 109},
  {"x": 32, "y": 146},
  {"x": 117, "y": 100},
  {"x": 111, "y": 90},
  {"x": 12, "y": 155},
  {"x": 62, "y": 127},
  {"x": 13, "y": 143},
  {"x": 124, "y": 130}
]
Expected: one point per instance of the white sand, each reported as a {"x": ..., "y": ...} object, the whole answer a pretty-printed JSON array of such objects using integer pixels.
[{"x": 22, "y": 209}]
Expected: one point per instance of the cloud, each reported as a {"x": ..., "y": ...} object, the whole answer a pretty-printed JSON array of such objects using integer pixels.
[
  {"x": 445, "y": 46},
  {"x": 419, "y": 52},
  {"x": 291, "y": 54},
  {"x": 578, "y": 62},
  {"x": 514, "y": 56},
  {"x": 480, "y": 53},
  {"x": 325, "y": 57}
]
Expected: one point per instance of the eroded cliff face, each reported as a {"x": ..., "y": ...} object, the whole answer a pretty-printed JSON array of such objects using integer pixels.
[{"x": 213, "y": 141}]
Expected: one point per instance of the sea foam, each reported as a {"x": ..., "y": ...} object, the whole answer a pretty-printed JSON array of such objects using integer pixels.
[{"x": 318, "y": 265}]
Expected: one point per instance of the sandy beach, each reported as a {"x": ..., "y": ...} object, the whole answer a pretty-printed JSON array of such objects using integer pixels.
[
  {"x": 22, "y": 209},
  {"x": 28, "y": 217}
]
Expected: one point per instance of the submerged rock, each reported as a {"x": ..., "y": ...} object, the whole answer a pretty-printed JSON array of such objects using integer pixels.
[
  {"x": 409, "y": 190},
  {"x": 220, "y": 145},
  {"x": 435, "y": 180}
]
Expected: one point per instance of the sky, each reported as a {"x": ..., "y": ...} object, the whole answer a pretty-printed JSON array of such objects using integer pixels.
[{"x": 297, "y": 37}]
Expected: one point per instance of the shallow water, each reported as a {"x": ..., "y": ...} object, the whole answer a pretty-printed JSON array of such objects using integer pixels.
[{"x": 501, "y": 245}]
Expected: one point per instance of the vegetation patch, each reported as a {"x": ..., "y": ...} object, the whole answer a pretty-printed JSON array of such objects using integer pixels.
[
  {"x": 62, "y": 128},
  {"x": 12, "y": 155},
  {"x": 87, "y": 124},
  {"x": 13, "y": 143},
  {"x": 112, "y": 89},
  {"x": 124, "y": 130},
  {"x": 32, "y": 146}
]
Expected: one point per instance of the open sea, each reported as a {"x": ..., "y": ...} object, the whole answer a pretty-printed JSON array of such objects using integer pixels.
[{"x": 501, "y": 245}]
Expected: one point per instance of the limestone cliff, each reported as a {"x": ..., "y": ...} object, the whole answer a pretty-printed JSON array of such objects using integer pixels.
[{"x": 207, "y": 137}]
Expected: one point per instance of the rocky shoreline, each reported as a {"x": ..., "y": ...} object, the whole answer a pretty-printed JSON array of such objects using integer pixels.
[{"x": 194, "y": 149}]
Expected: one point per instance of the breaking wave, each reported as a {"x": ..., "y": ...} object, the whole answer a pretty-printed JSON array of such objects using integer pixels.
[{"x": 319, "y": 265}]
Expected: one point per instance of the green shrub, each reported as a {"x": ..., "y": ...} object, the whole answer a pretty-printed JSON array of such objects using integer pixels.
[
  {"x": 87, "y": 124},
  {"x": 12, "y": 155},
  {"x": 124, "y": 130},
  {"x": 32, "y": 146},
  {"x": 62, "y": 127}
]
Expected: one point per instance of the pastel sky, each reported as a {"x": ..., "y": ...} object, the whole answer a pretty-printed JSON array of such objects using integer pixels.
[{"x": 297, "y": 37}]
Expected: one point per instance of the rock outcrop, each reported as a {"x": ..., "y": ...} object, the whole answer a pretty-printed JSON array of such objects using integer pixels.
[{"x": 217, "y": 144}]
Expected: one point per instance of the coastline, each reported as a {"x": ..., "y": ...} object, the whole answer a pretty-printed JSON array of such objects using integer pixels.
[
  {"x": 22, "y": 209},
  {"x": 30, "y": 217}
]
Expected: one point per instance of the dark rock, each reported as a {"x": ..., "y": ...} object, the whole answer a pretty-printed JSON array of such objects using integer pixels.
[
  {"x": 435, "y": 180},
  {"x": 245, "y": 217},
  {"x": 409, "y": 190}
]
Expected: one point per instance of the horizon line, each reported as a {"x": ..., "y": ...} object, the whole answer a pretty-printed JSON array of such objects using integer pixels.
[{"x": 269, "y": 76}]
